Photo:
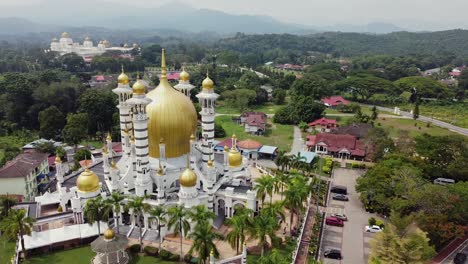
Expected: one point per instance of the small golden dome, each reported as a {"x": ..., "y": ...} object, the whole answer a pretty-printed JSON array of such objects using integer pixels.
[
  {"x": 234, "y": 136},
  {"x": 87, "y": 182},
  {"x": 109, "y": 234},
  {"x": 184, "y": 76},
  {"x": 58, "y": 159},
  {"x": 234, "y": 158},
  {"x": 123, "y": 78},
  {"x": 207, "y": 84},
  {"x": 104, "y": 149},
  {"x": 188, "y": 178},
  {"x": 139, "y": 88},
  {"x": 210, "y": 163},
  {"x": 113, "y": 164}
]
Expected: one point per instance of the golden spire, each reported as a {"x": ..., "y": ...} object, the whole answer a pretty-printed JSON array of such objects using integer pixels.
[
  {"x": 210, "y": 162},
  {"x": 109, "y": 137},
  {"x": 212, "y": 252},
  {"x": 163, "y": 65},
  {"x": 104, "y": 149},
  {"x": 160, "y": 170},
  {"x": 113, "y": 164}
]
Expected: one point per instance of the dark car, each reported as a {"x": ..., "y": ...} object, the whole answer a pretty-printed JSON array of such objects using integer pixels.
[
  {"x": 460, "y": 258},
  {"x": 340, "y": 197},
  {"x": 339, "y": 189},
  {"x": 332, "y": 253}
]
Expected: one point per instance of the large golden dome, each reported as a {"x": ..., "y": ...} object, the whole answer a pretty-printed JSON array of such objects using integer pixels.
[
  {"x": 88, "y": 181},
  {"x": 188, "y": 178},
  {"x": 234, "y": 158},
  {"x": 172, "y": 117}
]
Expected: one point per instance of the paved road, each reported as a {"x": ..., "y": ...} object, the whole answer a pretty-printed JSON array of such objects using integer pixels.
[
  {"x": 298, "y": 142},
  {"x": 426, "y": 119},
  {"x": 351, "y": 239}
]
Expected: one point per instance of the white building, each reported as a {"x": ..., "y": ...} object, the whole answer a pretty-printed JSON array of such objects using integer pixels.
[{"x": 65, "y": 45}]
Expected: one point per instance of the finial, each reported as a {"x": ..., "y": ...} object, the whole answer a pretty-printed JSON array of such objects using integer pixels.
[
  {"x": 207, "y": 73},
  {"x": 138, "y": 75},
  {"x": 121, "y": 65},
  {"x": 161, "y": 141},
  {"x": 163, "y": 64},
  {"x": 114, "y": 165},
  {"x": 160, "y": 170},
  {"x": 188, "y": 161}
]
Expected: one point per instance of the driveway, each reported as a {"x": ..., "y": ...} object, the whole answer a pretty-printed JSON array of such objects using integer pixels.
[
  {"x": 298, "y": 142},
  {"x": 350, "y": 239}
]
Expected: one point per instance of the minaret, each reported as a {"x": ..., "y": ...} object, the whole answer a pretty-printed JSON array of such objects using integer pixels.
[
  {"x": 124, "y": 92},
  {"x": 184, "y": 85},
  {"x": 109, "y": 145},
  {"x": 138, "y": 103},
  {"x": 59, "y": 169},
  {"x": 207, "y": 98}
]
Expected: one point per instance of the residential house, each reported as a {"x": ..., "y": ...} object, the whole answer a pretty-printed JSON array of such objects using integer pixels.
[
  {"x": 334, "y": 101},
  {"x": 323, "y": 125},
  {"x": 22, "y": 175},
  {"x": 249, "y": 148},
  {"x": 336, "y": 145},
  {"x": 254, "y": 122}
]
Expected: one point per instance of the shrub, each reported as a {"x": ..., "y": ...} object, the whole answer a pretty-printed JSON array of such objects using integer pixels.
[
  {"x": 326, "y": 169},
  {"x": 174, "y": 257},
  {"x": 355, "y": 165},
  {"x": 151, "y": 251},
  {"x": 372, "y": 221},
  {"x": 165, "y": 255},
  {"x": 379, "y": 223},
  {"x": 328, "y": 162},
  {"x": 362, "y": 165},
  {"x": 135, "y": 248}
]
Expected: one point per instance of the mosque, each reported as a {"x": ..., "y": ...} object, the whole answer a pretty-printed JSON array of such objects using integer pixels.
[
  {"x": 161, "y": 157},
  {"x": 65, "y": 45}
]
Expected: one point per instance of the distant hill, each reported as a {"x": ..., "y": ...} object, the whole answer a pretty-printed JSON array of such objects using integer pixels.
[{"x": 374, "y": 27}]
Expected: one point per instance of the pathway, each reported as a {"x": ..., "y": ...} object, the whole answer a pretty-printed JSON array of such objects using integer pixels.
[
  {"x": 303, "y": 250},
  {"x": 298, "y": 142}
]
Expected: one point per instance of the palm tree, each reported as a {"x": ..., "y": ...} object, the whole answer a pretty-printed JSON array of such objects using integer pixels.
[
  {"x": 239, "y": 223},
  {"x": 115, "y": 201},
  {"x": 274, "y": 257},
  {"x": 159, "y": 213},
  {"x": 17, "y": 223},
  {"x": 263, "y": 228},
  {"x": 200, "y": 214},
  {"x": 296, "y": 160},
  {"x": 281, "y": 181},
  {"x": 280, "y": 159},
  {"x": 6, "y": 203},
  {"x": 203, "y": 242},
  {"x": 178, "y": 220},
  {"x": 97, "y": 210},
  {"x": 295, "y": 197},
  {"x": 275, "y": 210},
  {"x": 138, "y": 205},
  {"x": 264, "y": 185}
]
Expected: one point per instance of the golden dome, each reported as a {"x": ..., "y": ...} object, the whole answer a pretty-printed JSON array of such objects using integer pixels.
[
  {"x": 172, "y": 116},
  {"x": 123, "y": 78},
  {"x": 88, "y": 181},
  {"x": 188, "y": 178},
  {"x": 58, "y": 159},
  {"x": 139, "y": 88},
  {"x": 184, "y": 76},
  {"x": 109, "y": 234},
  {"x": 210, "y": 163},
  {"x": 234, "y": 158},
  {"x": 207, "y": 84},
  {"x": 65, "y": 35}
]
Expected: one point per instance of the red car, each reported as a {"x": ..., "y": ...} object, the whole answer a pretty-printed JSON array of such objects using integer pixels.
[{"x": 333, "y": 221}]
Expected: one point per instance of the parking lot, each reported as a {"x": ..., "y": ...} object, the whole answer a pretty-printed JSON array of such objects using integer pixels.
[{"x": 350, "y": 239}]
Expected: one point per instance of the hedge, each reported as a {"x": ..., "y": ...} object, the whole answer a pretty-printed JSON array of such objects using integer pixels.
[
  {"x": 135, "y": 248},
  {"x": 151, "y": 251},
  {"x": 165, "y": 255}
]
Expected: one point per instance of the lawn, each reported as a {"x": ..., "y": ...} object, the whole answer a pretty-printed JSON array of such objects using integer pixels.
[
  {"x": 456, "y": 114},
  {"x": 268, "y": 108},
  {"x": 93, "y": 143},
  {"x": 83, "y": 255},
  {"x": 7, "y": 250},
  {"x": 393, "y": 125},
  {"x": 277, "y": 134}
]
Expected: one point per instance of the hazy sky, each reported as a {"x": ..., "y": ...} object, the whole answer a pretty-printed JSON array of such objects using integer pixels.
[{"x": 413, "y": 14}]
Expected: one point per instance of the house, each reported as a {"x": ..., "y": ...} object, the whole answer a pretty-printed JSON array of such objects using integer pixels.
[
  {"x": 254, "y": 122},
  {"x": 323, "y": 125},
  {"x": 359, "y": 130},
  {"x": 308, "y": 156},
  {"x": 102, "y": 80},
  {"x": 268, "y": 152},
  {"x": 334, "y": 101},
  {"x": 336, "y": 145},
  {"x": 22, "y": 175},
  {"x": 249, "y": 148}
]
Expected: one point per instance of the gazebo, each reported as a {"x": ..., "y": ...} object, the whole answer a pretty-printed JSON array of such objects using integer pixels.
[{"x": 110, "y": 248}]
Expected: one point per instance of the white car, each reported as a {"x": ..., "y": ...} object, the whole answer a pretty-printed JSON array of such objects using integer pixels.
[{"x": 373, "y": 229}]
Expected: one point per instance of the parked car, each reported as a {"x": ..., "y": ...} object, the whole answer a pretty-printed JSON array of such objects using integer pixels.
[
  {"x": 460, "y": 258},
  {"x": 332, "y": 253},
  {"x": 373, "y": 229},
  {"x": 340, "y": 197},
  {"x": 339, "y": 189},
  {"x": 342, "y": 217},
  {"x": 333, "y": 221}
]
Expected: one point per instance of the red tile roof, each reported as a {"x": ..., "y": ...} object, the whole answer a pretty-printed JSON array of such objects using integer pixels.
[
  {"x": 173, "y": 76},
  {"x": 100, "y": 78},
  {"x": 323, "y": 122},
  {"x": 249, "y": 144},
  {"x": 22, "y": 165},
  {"x": 338, "y": 142},
  {"x": 258, "y": 119},
  {"x": 226, "y": 142},
  {"x": 334, "y": 101}
]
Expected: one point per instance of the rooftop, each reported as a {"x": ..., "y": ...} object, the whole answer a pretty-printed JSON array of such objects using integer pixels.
[
  {"x": 334, "y": 101},
  {"x": 22, "y": 165}
]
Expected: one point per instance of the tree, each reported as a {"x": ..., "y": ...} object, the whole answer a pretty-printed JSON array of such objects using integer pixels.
[
  {"x": 425, "y": 87},
  {"x": 240, "y": 98},
  {"x": 17, "y": 224},
  {"x": 378, "y": 144},
  {"x": 72, "y": 62},
  {"x": 51, "y": 122},
  {"x": 115, "y": 200},
  {"x": 159, "y": 213},
  {"x": 219, "y": 131},
  {"x": 239, "y": 223},
  {"x": 264, "y": 185},
  {"x": 263, "y": 228},
  {"x": 282, "y": 159},
  {"x": 178, "y": 221},
  {"x": 137, "y": 205},
  {"x": 281, "y": 180},
  {"x": 295, "y": 196},
  {"x": 311, "y": 85},
  {"x": 201, "y": 215},
  {"x": 374, "y": 114},
  {"x": 299, "y": 109},
  {"x": 97, "y": 210},
  {"x": 279, "y": 96},
  {"x": 76, "y": 128},
  {"x": 204, "y": 242},
  {"x": 6, "y": 203},
  {"x": 275, "y": 257},
  {"x": 99, "y": 105},
  {"x": 275, "y": 210},
  {"x": 303, "y": 126},
  {"x": 416, "y": 110}
]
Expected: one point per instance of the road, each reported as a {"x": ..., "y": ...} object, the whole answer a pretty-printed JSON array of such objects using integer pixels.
[
  {"x": 298, "y": 142},
  {"x": 350, "y": 239},
  {"x": 426, "y": 119}
]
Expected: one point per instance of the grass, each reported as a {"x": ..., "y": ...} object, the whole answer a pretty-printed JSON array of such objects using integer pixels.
[
  {"x": 394, "y": 125},
  {"x": 83, "y": 255},
  {"x": 7, "y": 250},
  {"x": 93, "y": 143},
  {"x": 320, "y": 164},
  {"x": 268, "y": 108},
  {"x": 277, "y": 134},
  {"x": 456, "y": 114}
]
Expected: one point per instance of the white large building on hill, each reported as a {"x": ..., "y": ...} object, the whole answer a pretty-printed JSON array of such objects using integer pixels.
[{"x": 65, "y": 45}]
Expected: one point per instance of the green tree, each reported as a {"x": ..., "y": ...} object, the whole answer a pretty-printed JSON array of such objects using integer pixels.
[
  {"x": 139, "y": 207},
  {"x": 6, "y": 203},
  {"x": 159, "y": 213},
  {"x": 295, "y": 197},
  {"x": 425, "y": 87},
  {"x": 76, "y": 128},
  {"x": 299, "y": 109},
  {"x": 311, "y": 85},
  {"x": 115, "y": 200},
  {"x": 303, "y": 126},
  {"x": 264, "y": 185},
  {"x": 97, "y": 210},
  {"x": 99, "y": 105},
  {"x": 239, "y": 223},
  {"x": 17, "y": 223},
  {"x": 374, "y": 114},
  {"x": 275, "y": 210},
  {"x": 263, "y": 228},
  {"x": 51, "y": 123},
  {"x": 204, "y": 242},
  {"x": 416, "y": 110},
  {"x": 365, "y": 85},
  {"x": 178, "y": 216},
  {"x": 279, "y": 96},
  {"x": 275, "y": 257},
  {"x": 219, "y": 131},
  {"x": 201, "y": 215},
  {"x": 378, "y": 143}
]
